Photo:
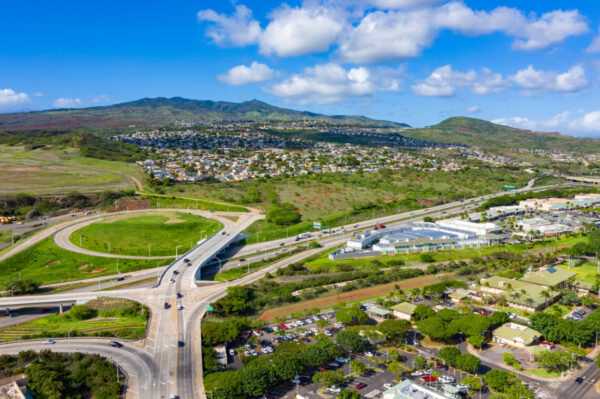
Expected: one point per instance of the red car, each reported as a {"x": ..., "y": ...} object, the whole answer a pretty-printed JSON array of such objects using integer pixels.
[
  {"x": 481, "y": 312},
  {"x": 429, "y": 378},
  {"x": 548, "y": 345},
  {"x": 381, "y": 226},
  {"x": 360, "y": 386},
  {"x": 283, "y": 326}
]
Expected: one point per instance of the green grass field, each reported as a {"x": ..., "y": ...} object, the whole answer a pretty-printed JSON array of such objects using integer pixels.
[
  {"x": 50, "y": 171},
  {"x": 586, "y": 272},
  {"x": 115, "y": 318},
  {"x": 163, "y": 231},
  {"x": 46, "y": 263}
]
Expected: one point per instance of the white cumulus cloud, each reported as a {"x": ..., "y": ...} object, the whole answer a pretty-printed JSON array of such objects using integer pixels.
[
  {"x": 444, "y": 82},
  {"x": 242, "y": 74},
  {"x": 67, "y": 102},
  {"x": 594, "y": 47},
  {"x": 473, "y": 109},
  {"x": 325, "y": 84},
  {"x": 239, "y": 29},
  {"x": 297, "y": 31},
  {"x": 532, "y": 80},
  {"x": 10, "y": 99},
  {"x": 578, "y": 123},
  {"x": 400, "y": 34},
  {"x": 399, "y": 4}
]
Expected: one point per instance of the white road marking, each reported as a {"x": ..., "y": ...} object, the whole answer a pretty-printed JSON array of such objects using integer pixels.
[{"x": 372, "y": 394}]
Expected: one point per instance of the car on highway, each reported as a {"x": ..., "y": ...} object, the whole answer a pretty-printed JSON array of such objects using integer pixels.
[
  {"x": 179, "y": 295},
  {"x": 171, "y": 280},
  {"x": 180, "y": 343},
  {"x": 173, "y": 396},
  {"x": 115, "y": 344},
  {"x": 360, "y": 386},
  {"x": 121, "y": 278},
  {"x": 166, "y": 305},
  {"x": 179, "y": 306},
  {"x": 49, "y": 342},
  {"x": 186, "y": 260}
]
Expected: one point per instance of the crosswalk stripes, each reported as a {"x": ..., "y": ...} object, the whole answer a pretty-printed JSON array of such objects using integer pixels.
[
  {"x": 554, "y": 384},
  {"x": 540, "y": 394},
  {"x": 372, "y": 394}
]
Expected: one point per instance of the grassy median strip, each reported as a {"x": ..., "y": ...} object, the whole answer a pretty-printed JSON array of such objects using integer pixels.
[
  {"x": 46, "y": 263},
  {"x": 117, "y": 318}
]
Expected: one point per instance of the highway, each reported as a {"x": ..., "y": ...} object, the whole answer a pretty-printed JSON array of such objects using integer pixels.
[{"x": 174, "y": 369}]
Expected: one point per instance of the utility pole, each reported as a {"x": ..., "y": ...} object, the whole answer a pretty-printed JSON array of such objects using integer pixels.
[
  {"x": 118, "y": 266},
  {"x": 148, "y": 249}
]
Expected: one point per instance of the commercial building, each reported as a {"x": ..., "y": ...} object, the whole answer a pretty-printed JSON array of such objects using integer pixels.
[
  {"x": 404, "y": 310},
  {"x": 550, "y": 277},
  {"x": 378, "y": 313},
  {"x": 516, "y": 335},
  {"x": 423, "y": 237},
  {"x": 14, "y": 387},
  {"x": 479, "y": 229},
  {"x": 497, "y": 212},
  {"x": 408, "y": 389},
  {"x": 561, "y": 204},
  {"x": 518, "y": 294}
]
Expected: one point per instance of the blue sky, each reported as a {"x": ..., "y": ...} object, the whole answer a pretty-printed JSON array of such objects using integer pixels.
[{"x": 529, "y": 64}]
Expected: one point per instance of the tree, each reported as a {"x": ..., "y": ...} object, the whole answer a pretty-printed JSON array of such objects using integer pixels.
[
  {"x": 473, "y": 383},
  {"x": 467, "y": 362},
  {"x": 256, "y": 379},
  {"x": 396, "y": 368},
  {"x": 555, "y": 361},
  {"x": 235, "y": 303},
  {"x": 284, "y": 214},
  {"x": 348, "y": 394},
  {"x": 426, "y": 258},
  {"x": 449, "y": 354},
  {"x": 508, "y": 358},
  {"x": 357, "y": 366},
  {"x": 22, "y": 287},
  {"x": 218, "y": 332},
  {"x": 319, "y": 353},
  {"x": 82, "y": 312},
  {"x": 350, "y": 340},
  {"x": 499, "y": 380},
  {"x": 287, "y": 365},
  {"x": 419, "y": 361},
  {"x": 437, "y": 328},
  {"x": 394, "y": 330},
  {"x": 422, "y": 312},
  {"x": 329, "y": 378},
  {"x": 476, "y": 341},
  {"x": 350, "y": 316}
]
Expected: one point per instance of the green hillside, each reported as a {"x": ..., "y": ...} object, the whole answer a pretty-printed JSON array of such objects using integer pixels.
[
  {"x": 161, "y": 111},
  {"x": 488, "y": 135},
  {"x": 484, "y": 134}
]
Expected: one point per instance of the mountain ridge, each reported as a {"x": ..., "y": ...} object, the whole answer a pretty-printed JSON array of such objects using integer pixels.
[
  {"x": 493, "y": 136},
  {"x": 162, "y": 111}
]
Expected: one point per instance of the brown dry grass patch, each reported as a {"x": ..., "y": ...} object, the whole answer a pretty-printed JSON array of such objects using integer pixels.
[
  {"x": 54, "y": 262},
  {"x": 98, "y": 270},
  {"x": 331, "y": 300},
  {"x": 83, "y": 267}
]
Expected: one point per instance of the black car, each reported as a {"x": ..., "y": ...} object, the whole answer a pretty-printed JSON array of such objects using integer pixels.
[
  {"x": 115, "y": 344},
  {"x": 120, "y": 278},
  {"x": 578, "y": 380},
  {"x": 179, "y": 295},
  {"x": 186, "y": 260},
  {"x": 180, "y": 343}
]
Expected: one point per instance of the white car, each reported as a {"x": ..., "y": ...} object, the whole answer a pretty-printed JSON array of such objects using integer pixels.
[
  {"x": 341, "y": 360},
  {"x": 334, "y": 389},
  {"x": 231, "y": 352},
  {"x": 275, "y": 328},
  {"x": 328, "y": 333},
  {"x": 171, "y": 281},
  {"x": 49, "y": 342},
  {"x": 308, "y": 321},
  {"x": 316, "y": 317},
  {"x": 179, "y": 306},
  {"x": 264, "y": 350},
  {"x": 417, "y": 373},
  {"x": 446, "y": 379},
  {"x": 512, "y": 316},
  {"x": 369, "y": 354},
  {"x": 463, "y": 386},
  {"x": 387, "y": 386},
  {"x": 314, "y": 330},
  {"x": 333, "y": 364}
]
